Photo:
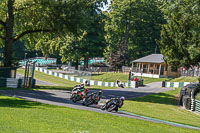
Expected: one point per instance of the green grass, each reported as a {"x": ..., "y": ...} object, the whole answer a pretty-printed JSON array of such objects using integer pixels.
[
  {"x": 162, "y": 106},
  {"x": 60, "y": 83},
  {"x": 185, "y": 79},
  {"x": 33, "y": 117},
  {"x": 105, "y": 77},
  {"x": 197, "y": 97},
  {"x": 112, "y": 77}
]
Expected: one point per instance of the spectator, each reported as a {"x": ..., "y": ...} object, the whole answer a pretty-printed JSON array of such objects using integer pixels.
[
  {"x": 184, "y": 71},
  {"x": 198, "y": 71},
  {"x": 136, "y": 79}
]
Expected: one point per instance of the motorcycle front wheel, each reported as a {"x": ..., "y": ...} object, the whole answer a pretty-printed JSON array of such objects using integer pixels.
[
  {"x": 111, "y": 107},
  {"x": 103, "y": 107},
  {"x": 87, "y": 101}
]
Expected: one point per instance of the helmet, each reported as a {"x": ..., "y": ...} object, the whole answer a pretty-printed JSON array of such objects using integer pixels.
[
  {"x": 100, "y": 92},
  {"x": 82, "y": 84},
  {"x": 122, "y": 98}
]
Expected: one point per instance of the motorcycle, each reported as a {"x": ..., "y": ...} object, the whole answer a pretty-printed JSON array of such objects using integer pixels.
[
  {"x": 93, "y": 98},
  {"x": 113, "y": 104},
  {"x": 120, "y": 84},
  {"x": 78, "y": 93}
]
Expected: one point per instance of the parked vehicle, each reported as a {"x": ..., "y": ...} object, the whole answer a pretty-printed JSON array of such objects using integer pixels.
[
  {"x": 92, "y": 98},
  {"x": 120, "y": 84},
  {"x": 78, "y": 93},
  {"x": 113, "y": 104}
]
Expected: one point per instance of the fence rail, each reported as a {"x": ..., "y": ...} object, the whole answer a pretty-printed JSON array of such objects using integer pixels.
[
  {"x": 11, "y": 82},
  {"x": 82, "y": 80},
  {"x": 176, "y": 84},
  {"x": 197, "y": 106}
]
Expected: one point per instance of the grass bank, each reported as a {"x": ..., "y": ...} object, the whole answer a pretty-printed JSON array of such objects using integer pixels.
[
  {"x": 185, "y": 79},
  {"x": 25, "y": 116},
  {"x": 60, "y": 83},
  {"x": 162, "y": 106},
  {"x": 112, "y": 77}
]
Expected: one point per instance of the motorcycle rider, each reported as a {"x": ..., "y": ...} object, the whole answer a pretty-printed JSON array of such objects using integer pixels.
[
  {"x": 80, "y": 88},
  {"x": 118, "y": 99},
  {"x": 119, "y": 83}
]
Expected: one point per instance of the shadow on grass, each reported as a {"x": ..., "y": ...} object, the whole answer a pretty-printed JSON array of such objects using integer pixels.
[
  {"x": 160, "y": 98},
  {"x": 96, "y": 74},
  {"x": 43, "y": 87},
  {"x": 17, "y": 103}
]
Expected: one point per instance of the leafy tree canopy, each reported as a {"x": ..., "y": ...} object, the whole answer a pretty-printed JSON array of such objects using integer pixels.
[
  {"x": 31, "y": 20},
  {"x": 132, "y": 27},
  {"x": 180, "y": 36}
]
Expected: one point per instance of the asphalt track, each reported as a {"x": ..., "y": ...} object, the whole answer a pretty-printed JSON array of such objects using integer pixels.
[{"x": 61, "y": 98}]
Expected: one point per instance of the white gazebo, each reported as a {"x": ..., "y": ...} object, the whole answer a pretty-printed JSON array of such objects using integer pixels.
[{"x": 153, "y": 66}]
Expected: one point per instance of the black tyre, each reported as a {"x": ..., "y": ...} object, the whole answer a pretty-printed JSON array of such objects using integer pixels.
[
  {"x": 111, "y": 107},
  {"x": 103, "y": 107},
  {"x": 87, "y": 101},
  {"x": 74, "y": 99}
]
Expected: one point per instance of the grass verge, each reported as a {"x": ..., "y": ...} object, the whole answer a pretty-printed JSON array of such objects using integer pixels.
[
  {"x": 185, "y": 79},
  {"x": 60, "y": 83},
  {"x": 112, "y": 77},
  {"x": 162, "y": 106},
  {"x": 30, "y": 117}
]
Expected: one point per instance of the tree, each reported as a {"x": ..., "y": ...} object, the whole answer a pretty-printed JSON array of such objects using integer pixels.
[
  {"x": 32, "y": 19},
  {"x": 133, "y": 26},
  {"x": 90, "y": 44},
  {"x": 180, "y": 36}
]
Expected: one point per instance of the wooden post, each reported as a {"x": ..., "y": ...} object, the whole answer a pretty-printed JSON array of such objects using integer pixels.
[
  {"x": 139, "y": 67},
  {"x": 148, "y": 68},
  {"x": 160, "y": 69},
  {"x": 153, "y": 68},
  {"x": 142, "y": 67}
]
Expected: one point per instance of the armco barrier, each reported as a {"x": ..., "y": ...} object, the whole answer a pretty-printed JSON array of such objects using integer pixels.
[
  {"x": 131, "y": 84},
  {"x": 175, "y": 84},
  {"x": 197, "y": 106},
  {"x": 11, "y": 83}
]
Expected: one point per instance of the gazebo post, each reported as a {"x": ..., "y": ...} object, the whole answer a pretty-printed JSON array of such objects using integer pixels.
[
  {"x": 139, "y": 67},
  {"x": 142, "y": 66},
  {"x": 159, "y": 69},
  {"x": 148, "y": 68}
]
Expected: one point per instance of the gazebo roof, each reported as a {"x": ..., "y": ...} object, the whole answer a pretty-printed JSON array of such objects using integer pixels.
[{"x": 153, "y": 58}]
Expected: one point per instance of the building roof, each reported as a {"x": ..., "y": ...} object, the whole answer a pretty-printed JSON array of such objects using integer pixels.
[{"x": 153, "y": 58}]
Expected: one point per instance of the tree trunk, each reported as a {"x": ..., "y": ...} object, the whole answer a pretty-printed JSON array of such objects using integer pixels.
[
  {"x": 8, "y": 51},
  {"x": 76, "y": 64},
  {"x": 85, "y": 62}
]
